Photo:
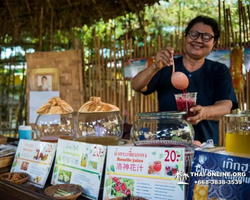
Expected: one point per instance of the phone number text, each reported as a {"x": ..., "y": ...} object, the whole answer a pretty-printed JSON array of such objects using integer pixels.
[{"x": 219, "y": 182}]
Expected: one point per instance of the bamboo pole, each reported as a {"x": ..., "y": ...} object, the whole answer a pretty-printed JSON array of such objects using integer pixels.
[
  {"x": 219, "y": 12},
  {"x": 239, "y": 9},
  {"x": 109, "y": 74},
  {"x": 41, "y": 29},
  {"x": 247, "y": 90},
  {"x": 95, "y": 66},
  {"x": 248, "y": 12},
  {"x": 243, "y": 25},
  {"x": 132, "y": 92},
  {"x": 225, "y": 25},
  {"x": 84, "y": 74},
  {"x": 103, "y": 75},
  {"x": 115, "y": 71},
  {"x": 89, "y": 76},
  {"x": 231, "y": 26},
  {"x": 99, "y": 69},
  {"x": 51, "y": 30},
  {"x": 246, "y": 26}
]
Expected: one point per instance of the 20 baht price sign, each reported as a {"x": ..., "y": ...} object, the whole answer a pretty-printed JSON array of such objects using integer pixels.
[{"x": 147, "y": 172}]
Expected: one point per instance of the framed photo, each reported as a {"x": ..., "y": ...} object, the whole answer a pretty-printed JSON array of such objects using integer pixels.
[
  {"x": 133, "y": 66},
  {"x": 44, "y": 79}
]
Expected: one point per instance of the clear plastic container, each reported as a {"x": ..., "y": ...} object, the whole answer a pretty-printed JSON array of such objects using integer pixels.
[
  {"x": 238, "y": 132},
  {"x": 105, "y": 128},
  {"x": 49, "y": 128},
  {"x": 162, "y": 129}
]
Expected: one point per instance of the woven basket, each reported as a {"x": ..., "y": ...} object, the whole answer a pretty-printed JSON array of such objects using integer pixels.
[
  {"x": 3, "y": 140},
  {"x": 50, "y": 191},
  {"x": 131, "y": 198},
  {"x": 6, "y": 161},
  {"x": 24, "y": 176}
]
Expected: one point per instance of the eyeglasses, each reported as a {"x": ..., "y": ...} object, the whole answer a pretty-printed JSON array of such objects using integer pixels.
[{"x": 206, "y": 37}]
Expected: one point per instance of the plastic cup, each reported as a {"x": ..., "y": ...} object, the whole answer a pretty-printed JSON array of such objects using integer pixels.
[{"x": 186, "y": 101}]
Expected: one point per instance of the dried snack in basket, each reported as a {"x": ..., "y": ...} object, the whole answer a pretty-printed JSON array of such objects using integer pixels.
[
  {"x": 55, "y": 105},
  {"x": 96, "y": 105},
  {"x": 16, "y": 177}
]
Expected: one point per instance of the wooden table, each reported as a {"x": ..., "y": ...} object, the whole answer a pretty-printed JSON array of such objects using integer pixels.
[{"x": 25, "y": 191}]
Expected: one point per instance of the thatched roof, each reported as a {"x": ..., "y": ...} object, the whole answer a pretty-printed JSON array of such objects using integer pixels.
[{"x": 33, "y": 15}]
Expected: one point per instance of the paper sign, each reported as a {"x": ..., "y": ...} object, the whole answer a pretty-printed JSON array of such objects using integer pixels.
[
  {"x": 147, "y": 172},
  {"x": 222, "y": 56},
  {"x": 134, "y": 66},
  {"x": 215, "y": 176},
  {"x": 247, "y": 59},
  {"x": 79, "y": 163},
  {"x": 37, "y": 99},
  {"x": 34, "y": 158}
]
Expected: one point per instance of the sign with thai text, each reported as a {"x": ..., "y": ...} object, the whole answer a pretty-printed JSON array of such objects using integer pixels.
[
  {"x": 79, "y": 163},
  {"x": 34, "y": 158},
  {"x": 219, "y": 176},
  {"x": 148, "y": 172}
]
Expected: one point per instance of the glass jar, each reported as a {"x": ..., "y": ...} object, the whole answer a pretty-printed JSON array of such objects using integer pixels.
[
  {"x": 50, "y": 127},
  {"x": 238, "y": 132},
  {"x": 162, "y": 129},
  {"x": 105, "y": 128}
]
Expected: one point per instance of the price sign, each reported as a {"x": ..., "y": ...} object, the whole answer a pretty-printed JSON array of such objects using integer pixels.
[
  {"x": 145, "y": 172},
  {"x": 98, "y": 151},
  {"x": 82, "y": 163},
  {"x": 172, "y": 156}
]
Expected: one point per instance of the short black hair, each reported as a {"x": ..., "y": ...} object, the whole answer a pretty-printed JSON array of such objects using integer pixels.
[
  {"x": 205, "y": 20},
  {"x": 44, "y": 77}
]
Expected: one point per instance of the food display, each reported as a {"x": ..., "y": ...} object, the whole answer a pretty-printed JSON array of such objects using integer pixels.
[
  {"x": 15, "y": 177},
  {"x": 55, "y": 120},
  {"x": 236, "y": 69},
  {"x": 64, "y": 191},
  {"x": 238, "y": 132},
  {"x": 55, "y": 105},
  {"x": 95, "y": 105},
  {"x": 99, "y": 123},
  {"x": 129, "y": 197},
  {"x": 162, "y": 129}
]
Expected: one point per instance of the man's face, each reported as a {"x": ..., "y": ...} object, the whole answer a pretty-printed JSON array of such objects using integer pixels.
[{"x": 44, "y": 80}]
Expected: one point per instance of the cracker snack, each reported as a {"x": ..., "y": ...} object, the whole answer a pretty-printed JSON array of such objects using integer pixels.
[
  {"x": 55, "y": 106},
  {"x": 95, "y": 105}
]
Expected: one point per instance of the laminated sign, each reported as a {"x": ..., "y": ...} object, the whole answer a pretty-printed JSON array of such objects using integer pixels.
[
  {"x": 217, "y": 176},
  {"x": 148, "y": 172},
  {"x": 81, "y": 164},
  {"x": 34, "y": 158}
]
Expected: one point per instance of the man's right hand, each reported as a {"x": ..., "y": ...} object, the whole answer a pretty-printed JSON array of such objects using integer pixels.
[{"x": 164, "y": 57}]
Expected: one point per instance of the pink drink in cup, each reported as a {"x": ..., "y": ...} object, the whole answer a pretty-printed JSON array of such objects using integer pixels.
[{"x": 185, "y": 102}]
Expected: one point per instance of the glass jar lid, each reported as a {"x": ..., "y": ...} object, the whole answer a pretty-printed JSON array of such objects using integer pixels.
[{"x": 170, "y": 114}]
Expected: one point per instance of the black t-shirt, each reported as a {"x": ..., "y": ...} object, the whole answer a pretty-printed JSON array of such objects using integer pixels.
[{"x": 212, "y": 82}]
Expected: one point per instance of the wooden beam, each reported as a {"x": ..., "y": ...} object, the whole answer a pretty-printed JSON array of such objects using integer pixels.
[{"x": 28, "y": 6}]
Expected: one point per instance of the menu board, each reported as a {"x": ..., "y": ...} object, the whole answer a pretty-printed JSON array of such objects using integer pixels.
[
  {"x": 217, "y": 176},
  {"x": 149, "y": 172},
  {"x": 34, "y": 158},
  {"x": 79, "y": 163}
]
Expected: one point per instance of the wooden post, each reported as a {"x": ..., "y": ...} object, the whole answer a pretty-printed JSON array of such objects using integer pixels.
[{"x": 41, "y": 30}]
